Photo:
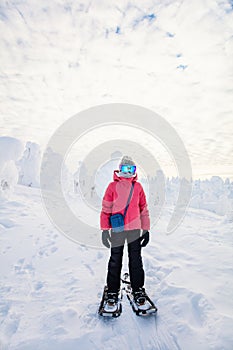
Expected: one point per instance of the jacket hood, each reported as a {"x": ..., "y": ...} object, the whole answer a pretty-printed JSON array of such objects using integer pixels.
[{"x": 119, "y": 178}]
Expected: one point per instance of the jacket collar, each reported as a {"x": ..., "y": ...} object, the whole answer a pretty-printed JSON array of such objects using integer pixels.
[{"x": 116, "y": 177}]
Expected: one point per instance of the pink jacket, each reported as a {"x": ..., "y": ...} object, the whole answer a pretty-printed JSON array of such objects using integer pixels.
[{"x": 115, "y": 199}]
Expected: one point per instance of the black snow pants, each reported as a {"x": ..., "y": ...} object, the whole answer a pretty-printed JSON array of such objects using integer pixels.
[{"x": 136, "y": 271}]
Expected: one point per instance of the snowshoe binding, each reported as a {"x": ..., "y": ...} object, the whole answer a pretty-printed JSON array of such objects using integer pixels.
[{"x": 140, "y": 296}]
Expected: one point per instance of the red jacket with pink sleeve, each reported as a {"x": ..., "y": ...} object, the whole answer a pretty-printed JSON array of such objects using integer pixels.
[{"x": 115, "y": 199}]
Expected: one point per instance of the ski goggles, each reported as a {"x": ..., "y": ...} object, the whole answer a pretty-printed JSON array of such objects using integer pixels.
[{"x": 125, "y": 168}]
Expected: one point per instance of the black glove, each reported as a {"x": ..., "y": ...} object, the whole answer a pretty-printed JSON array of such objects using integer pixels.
[
  {"x": 145, "y": 238},
  {"x": 106, "y": 238}
]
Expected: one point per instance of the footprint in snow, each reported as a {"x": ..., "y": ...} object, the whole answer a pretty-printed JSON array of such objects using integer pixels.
[
  {"x": 7, "y": 223},
  {"x": 200, "y": 308},
  {"x": 10, "y": 325},
  {"x": 47, "y": 249},
  {"x": 4, "y": 309},
  {"x": 39, "y": 285},
  {"x": 21, "y": 268}
]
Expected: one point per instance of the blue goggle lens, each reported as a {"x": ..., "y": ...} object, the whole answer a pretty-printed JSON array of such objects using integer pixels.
[{"x": 128, "y": 168}]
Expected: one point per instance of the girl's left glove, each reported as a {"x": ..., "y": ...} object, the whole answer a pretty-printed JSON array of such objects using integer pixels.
[{"x": 145, "y": 238}]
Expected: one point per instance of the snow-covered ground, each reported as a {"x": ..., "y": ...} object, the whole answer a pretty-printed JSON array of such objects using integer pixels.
[{"x": 51, "y": 286}]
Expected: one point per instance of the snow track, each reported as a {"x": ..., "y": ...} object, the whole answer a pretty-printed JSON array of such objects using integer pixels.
[{"x": 134, "y": 332}]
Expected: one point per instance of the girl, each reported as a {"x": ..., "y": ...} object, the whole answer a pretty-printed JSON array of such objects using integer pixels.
[{"x": 136, "y": 219}]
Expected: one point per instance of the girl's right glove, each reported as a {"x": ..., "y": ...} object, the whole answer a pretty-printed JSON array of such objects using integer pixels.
[
  {"x": 106, "y": 238},
  {"x": 145, "y": 238}
]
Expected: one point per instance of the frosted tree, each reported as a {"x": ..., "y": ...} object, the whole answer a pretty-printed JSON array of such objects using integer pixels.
[
  {"x": 29, "y": 165},
  {"x": 11, "y": 150}
]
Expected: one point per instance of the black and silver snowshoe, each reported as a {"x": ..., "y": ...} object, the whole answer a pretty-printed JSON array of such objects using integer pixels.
[
  {"x": 140, "y": 302},
  {"x": 110, "y": 304}
]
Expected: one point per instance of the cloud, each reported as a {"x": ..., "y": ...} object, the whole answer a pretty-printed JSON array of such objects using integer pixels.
[{"x": 173, "y": 57}]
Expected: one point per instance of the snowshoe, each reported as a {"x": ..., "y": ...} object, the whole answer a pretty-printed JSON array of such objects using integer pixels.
[
  {"x": 110, "y": 304},
  {"x": 140, "y": 302}
]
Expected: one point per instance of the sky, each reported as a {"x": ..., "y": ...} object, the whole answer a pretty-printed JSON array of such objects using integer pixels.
[{"x": 59, "y": 58}]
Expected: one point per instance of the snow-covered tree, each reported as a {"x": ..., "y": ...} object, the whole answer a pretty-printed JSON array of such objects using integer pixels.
[
  {"x": 11, "y": 150},
  {"x": 29, "y": 165}
]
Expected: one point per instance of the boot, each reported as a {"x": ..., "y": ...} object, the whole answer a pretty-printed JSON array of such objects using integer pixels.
[
  {"x": 112, "y": 298},
  {"x": 139, "y": 296}
]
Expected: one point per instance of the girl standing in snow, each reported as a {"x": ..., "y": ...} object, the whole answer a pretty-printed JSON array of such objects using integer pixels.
[{"x": 136, "y": 220}]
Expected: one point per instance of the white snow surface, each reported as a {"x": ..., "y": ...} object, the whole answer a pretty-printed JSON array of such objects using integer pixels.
[{"x": 51, "y": 287}]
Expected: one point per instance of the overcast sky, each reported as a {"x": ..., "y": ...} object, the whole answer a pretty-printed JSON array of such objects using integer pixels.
[{"x": 174, "y": 57}]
